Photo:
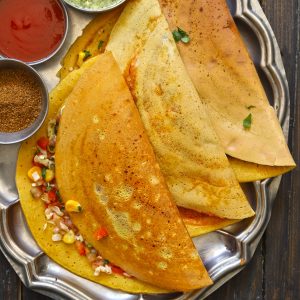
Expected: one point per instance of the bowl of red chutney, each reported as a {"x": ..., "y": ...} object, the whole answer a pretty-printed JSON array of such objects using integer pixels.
[{"x": 33, "y": 30}]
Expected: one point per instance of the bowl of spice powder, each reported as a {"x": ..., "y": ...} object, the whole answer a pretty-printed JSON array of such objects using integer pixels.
[{"x": 23, "y": 101}]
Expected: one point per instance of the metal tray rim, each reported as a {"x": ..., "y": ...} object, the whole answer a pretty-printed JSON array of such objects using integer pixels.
[{"x": 250, "y": 12}]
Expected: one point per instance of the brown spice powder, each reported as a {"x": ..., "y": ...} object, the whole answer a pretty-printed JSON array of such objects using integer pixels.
[{"x": 20, "y": 99}]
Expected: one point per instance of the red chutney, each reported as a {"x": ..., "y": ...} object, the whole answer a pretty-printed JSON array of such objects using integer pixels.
[{"x": 30, "y": 29}]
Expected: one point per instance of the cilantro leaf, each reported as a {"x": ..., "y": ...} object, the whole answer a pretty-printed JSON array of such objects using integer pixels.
[
  {"x": 58, "y": 196},
  {"x": 44, "y": 172},
  {"x": 176, "y": 36},
  {"x": 180, "y": 35},
  {"x": 185, "y": 39},
  {"x": 87, "y": 54},
  {"x": 247, "y": 122},
  {"x": 100, "y": 44}
]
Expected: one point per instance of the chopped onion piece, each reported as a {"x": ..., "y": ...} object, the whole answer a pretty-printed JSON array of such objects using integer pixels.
[
  {"x": 91, "y": 257},
  {"x": 57, "y": 211},
  {"x": 56, "y": 237},
  {"x": 45, "y": 226},
  {"x": 79, "y": 238},
  {"x": 63, "y": 226},
  {"x": 48, "y": 213},
  {"x": 104, "y": 269},
  {"x": 43, "y": 152},
  {"x": 56, "y": 230},
  {"x": 45, "y": 198},
  {"x": 36, "y": 192},
  {"x": 40, "y": 159}
]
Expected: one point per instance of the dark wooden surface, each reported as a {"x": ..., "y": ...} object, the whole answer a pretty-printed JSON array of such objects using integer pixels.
[{"x": 274, "y": 272}]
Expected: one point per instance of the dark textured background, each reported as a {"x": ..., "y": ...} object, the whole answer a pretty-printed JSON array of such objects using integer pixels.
[{"x": 274, "y": 272}]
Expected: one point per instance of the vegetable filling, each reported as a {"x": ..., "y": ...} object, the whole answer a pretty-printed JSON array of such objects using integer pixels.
[{"x": 44, "y": 187}]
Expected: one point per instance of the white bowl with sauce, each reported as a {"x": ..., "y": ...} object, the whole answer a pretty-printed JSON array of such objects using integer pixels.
[
  {"x": 108, "y": 5},
  {"x": 11, "y": 137}
]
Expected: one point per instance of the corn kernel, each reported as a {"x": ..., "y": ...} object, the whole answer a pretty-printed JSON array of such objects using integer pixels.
[
  {"x": 35, "y": 173},
  {"x": 49, "y": 175},
  {"x": 73, "y": 206},
  {"x": 69, "y": 237}
]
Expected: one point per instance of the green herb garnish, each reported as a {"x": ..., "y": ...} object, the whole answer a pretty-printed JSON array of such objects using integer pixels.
[
  {"x": 105, "y": 262},
  {"x": 185, "y": 39},
  {"x": 176, "y": 36},
  {"x": 181, "y": 35},
  {"x": 247, "y": 122},
  {"x": 44, "y": 172},
  {"x": 87, "y": 54},
  {"x": 48, "y": 188},
  {"x": 250, "y": 107},
  {"x": 100, "y": 44},
  {"x": 58, "y": 196}
]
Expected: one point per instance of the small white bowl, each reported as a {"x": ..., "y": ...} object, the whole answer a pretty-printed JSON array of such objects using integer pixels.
[{"x": 96, "y": 10}]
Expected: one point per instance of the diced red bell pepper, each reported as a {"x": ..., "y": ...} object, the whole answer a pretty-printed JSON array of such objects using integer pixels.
[
  {"x": 52, "y": 196},
  {"x": 43, "y": 142},
  {"x": 101, "y": 233},
  {"x": 117, "y": 270},
  {"x": 80, "y": 248}
]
